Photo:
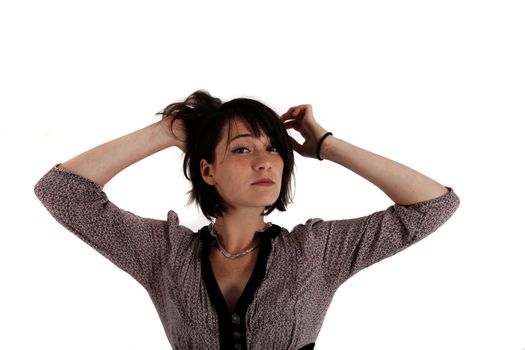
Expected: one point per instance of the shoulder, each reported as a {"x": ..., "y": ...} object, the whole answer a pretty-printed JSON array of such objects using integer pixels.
[{"x": 178, "y": 234}]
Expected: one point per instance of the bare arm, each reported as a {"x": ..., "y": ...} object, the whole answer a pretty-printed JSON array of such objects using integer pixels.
[
  {"x": 402, "y": 184},
  {"x": 103, "y": 162},
  {"x": 72, "y": 193}
]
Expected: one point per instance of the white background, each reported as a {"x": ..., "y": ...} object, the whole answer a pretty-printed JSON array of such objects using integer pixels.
[{"x": 437, "y": 86}]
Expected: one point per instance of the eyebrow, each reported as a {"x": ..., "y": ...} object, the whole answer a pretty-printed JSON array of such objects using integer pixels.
[{"x": 241, "y": 135}]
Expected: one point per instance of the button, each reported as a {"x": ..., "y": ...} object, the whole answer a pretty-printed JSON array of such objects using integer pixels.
[
  {"x": 237, "y": 346},
  {"x": 236, "y": 319},
  {"x": 236, "y": 335}
]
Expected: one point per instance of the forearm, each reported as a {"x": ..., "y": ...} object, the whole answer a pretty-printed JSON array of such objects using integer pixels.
[
  {"x": 103, "y": 162},
  {"x": 402, "y": 184}
]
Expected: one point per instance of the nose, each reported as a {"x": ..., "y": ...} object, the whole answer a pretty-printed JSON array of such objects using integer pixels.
[{"x": 262, "y": 161}]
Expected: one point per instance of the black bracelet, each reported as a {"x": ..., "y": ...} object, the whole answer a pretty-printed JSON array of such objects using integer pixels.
[{"x": 319, "y": 144}]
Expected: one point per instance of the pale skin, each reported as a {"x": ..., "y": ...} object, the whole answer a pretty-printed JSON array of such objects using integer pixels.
[
  {"x": 402, "y": 184},
  {"x": 237, "y": 166},
  {"x": 241, "y": 163},
  {"x": 247, "y": 159},
  {"x": 237, "y": 228}
]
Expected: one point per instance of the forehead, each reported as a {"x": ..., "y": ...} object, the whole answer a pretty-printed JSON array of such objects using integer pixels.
[{"x": 238, "y": 128}]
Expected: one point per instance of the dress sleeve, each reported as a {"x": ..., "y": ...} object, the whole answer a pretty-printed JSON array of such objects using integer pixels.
[
  {"x": 344, "y": 247},
  {"x": 135, "y": 244}
]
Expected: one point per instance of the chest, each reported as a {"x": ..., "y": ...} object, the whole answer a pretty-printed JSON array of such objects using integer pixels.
[{"x": 232, "y": 276}]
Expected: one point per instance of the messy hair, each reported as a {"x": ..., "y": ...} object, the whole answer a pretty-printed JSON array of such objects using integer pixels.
[{"x": 204, "y": 116}]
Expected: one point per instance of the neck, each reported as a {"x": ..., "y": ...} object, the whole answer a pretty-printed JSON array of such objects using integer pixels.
[{"x": 236, "y": 231}]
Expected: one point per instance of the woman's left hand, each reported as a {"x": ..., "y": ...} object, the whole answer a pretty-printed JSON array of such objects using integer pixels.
[{"x": 301, "y": 118}]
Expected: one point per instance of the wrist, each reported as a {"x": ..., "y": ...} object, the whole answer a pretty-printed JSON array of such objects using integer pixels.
[
  {"x": 163, "y": 136},
  {"x": 326, "y": 145}
]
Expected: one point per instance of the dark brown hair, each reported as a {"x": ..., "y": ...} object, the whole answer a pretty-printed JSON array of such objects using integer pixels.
[{"x": 203, "y": 117}]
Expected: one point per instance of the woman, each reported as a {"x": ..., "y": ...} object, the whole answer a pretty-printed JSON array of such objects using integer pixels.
[{"x": 239, "y": 282}]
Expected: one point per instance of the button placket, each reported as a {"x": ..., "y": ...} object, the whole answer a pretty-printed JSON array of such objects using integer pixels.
[{"x": 236, "y": 319}]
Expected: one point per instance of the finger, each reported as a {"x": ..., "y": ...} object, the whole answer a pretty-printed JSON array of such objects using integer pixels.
[
  {"x": 293, "y": 112},
  {"x": 290, "y": 114},
  {"x": 306, "y": 107},
  {"x": 286, "y": 116},
  {"x": 291, "y": 124},
  {"x": 301, "y": 108},
  {"x": 297, "y": 111},
  {"x": 288, "y": 111}
]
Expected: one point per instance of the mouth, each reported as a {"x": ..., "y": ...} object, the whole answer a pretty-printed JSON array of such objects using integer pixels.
[{"x": 263, "y": 182}]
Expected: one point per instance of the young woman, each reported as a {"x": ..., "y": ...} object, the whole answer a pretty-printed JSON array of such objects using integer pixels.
[{"x": 241, "y": 282}]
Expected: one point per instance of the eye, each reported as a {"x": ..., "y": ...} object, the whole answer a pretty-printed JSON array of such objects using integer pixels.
[
  {"x": 235, "y": 150},
  {"x": 238, "y": 148}
]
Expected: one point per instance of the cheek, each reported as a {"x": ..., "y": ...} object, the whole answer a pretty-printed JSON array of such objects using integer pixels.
[{"x": 281, "y": 166}]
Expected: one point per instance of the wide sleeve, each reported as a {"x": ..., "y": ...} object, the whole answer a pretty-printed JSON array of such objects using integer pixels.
[
  {"x": 135, "y": 244},
  {"x": 344, "y": 247}
]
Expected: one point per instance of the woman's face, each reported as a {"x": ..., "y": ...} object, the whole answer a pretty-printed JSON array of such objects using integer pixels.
[{"x": 242, "y": 162}]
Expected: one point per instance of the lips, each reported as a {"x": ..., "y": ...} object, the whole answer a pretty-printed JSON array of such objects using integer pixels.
[{"x": 263, "y": 181}]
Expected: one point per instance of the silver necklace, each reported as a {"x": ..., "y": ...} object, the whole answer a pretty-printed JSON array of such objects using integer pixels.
[{"x": 224, "y": 252}]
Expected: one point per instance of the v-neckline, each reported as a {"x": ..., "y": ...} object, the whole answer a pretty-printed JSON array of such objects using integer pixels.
[
  {"x": 236, "y": 321},
  {"x": 246, "y": 289}
]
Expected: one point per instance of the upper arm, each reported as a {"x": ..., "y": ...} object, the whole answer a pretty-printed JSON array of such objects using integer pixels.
[
  {"x": 347, "y": 246},
  {"x": 133, "y": 243}
]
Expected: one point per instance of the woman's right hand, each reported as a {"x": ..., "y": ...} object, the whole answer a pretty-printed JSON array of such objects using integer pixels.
[{"x": 176, "y": 132}]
